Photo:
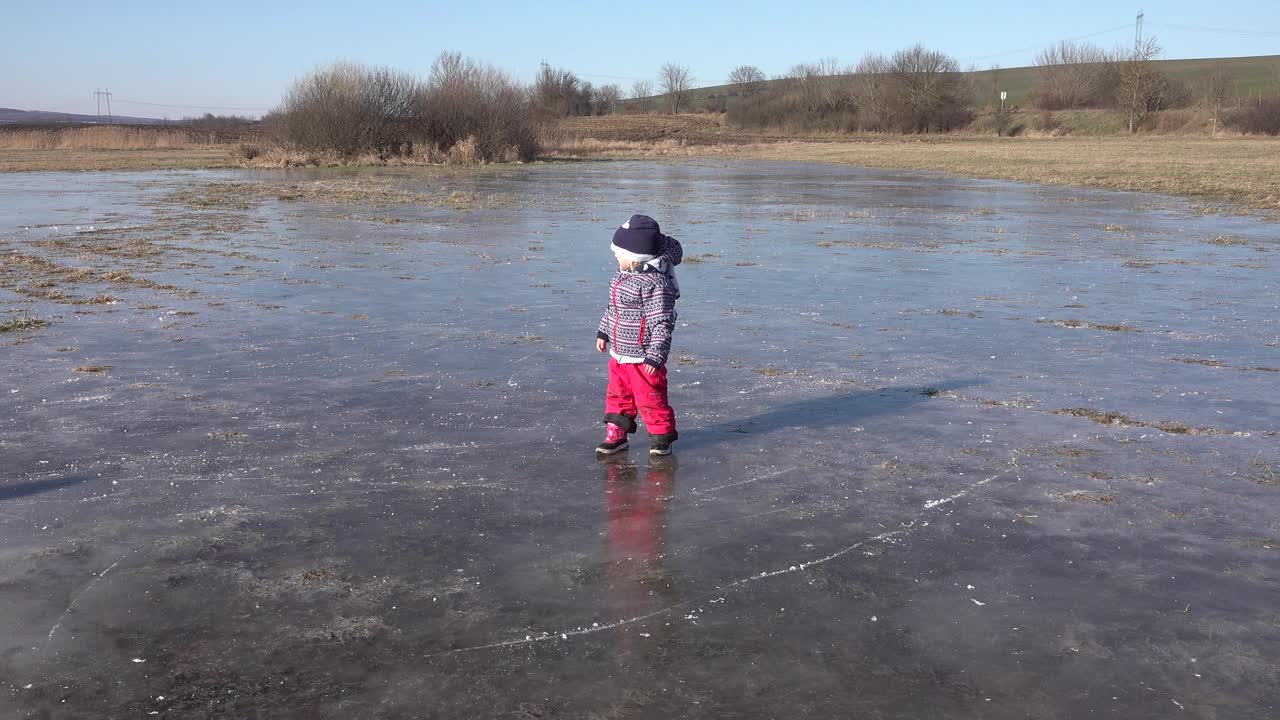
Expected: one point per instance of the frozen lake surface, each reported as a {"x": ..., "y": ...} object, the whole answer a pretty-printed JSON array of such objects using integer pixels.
[{"x": 949, "y": 448}]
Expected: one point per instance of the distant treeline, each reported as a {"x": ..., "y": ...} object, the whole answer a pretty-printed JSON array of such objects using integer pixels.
[
  {"x": 466, "y": 111},
  {"x": 462, "y": 111},
  {"x": 915, "y": 90},
  {"x": 918, "y": 90}
]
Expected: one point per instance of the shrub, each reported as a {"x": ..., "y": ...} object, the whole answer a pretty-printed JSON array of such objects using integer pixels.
[
  {"x": 223, "y": 124},
  {"x": 348, "y": 109},
  {"x": 1049, "y": 123},
  {"x": 1004, "y": 124},
  {"x": 1176, "y": 121},
  {"x": 560, "y": 93},
  {"x": 353, "y": 111},
  {"x": 248, "y": 152},
  {"x": 1260, "y": 119},
  {"x": 464, "y": 99}
]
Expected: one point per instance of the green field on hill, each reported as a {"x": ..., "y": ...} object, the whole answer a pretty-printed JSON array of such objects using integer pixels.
[{"x": 1253, "y": 75}]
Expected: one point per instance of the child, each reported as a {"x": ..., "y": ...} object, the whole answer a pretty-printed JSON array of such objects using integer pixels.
[{"x": 638, "y": 321}]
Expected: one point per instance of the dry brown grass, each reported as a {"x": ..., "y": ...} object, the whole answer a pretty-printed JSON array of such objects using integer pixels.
[
  {"x": 212, "y": 156},
  {"x": 378, "y": 192},
  {"x": 1114, "y": 418},
  {"x": 103, "y": 138},
  {"x": 1265, "y": 473},
  {"x": 466, "y": 152},
  {"x": 119, "y": 148},
  {"x": 597, "y": 147},
  {"x": 22, "y": 323},
  {"x": 1240, "y": 170}
]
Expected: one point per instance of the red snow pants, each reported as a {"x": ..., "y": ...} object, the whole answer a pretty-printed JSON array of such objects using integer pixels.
[{"x": 631, "y": 388}]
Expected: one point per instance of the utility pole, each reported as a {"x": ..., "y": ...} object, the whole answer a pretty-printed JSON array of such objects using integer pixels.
[{"x": 1137, "y": 68}]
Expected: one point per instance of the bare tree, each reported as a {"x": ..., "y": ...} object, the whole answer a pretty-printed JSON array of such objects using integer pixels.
[
  {"x": 1215, "y": 90},
  {"x": 606, "y": 99},
  {"x": 641, "y": 95},
  {"x": 557, "y": 91},
  {"x": 676, "y": 80},
  {"x": 1140, "y": 83},
  {"x": 874, "y": 92},
  {"x": 820, "y": 85},
  {"x": 1073, "y": 75},
  {"x": 584, "y": 102},
  {"x": 994, "y": 97},
  {"x": 749, "y": 79},
  {"x": 930, "y": 91}
]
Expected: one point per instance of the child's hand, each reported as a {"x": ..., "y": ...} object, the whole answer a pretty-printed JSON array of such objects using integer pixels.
[
  {"x": 600, "y": 344},
  {"x": 649, "y": 369}
]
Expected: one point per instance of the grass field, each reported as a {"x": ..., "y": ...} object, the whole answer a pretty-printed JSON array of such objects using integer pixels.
[
  {"x": 1252, "y": 75},
  {"x": 1238, "y": 171}
]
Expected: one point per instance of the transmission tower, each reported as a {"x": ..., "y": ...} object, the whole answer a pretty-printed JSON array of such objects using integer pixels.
[
  {"x": 100, "y": 95},
  {"x": 1137, "y": 32}
]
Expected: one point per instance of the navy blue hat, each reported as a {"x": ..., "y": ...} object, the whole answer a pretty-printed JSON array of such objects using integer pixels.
[{"x": 638, "y": 239}]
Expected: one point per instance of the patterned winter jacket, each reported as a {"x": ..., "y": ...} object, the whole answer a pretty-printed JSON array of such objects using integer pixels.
[{"x": 641, "y": 314}]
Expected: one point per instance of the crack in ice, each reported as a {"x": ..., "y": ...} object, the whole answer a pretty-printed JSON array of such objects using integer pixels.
[
  {"x": 76, "y": 598},
  {"x": 952, "y": 498},
  {"x": 905, "y": 529},
  {"x": 744, "y": 482}
]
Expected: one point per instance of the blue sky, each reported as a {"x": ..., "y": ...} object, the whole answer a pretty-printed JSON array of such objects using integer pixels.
[{"x": 238, "y": 56}]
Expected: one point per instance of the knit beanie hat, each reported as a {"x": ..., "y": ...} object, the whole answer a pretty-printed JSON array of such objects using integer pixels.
[{"x": 638, "y": 239}]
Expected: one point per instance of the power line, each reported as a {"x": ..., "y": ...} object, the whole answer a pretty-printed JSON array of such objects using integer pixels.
[
  {"x": 610, "y": 77},
  {"x": 1222, "y": 31},
  {"x": 189, "y": 107},
  {"x": 1086, "y": 36}
]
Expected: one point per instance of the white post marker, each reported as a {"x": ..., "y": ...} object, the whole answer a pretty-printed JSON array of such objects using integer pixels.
[{"x": 1003, "y": 94}]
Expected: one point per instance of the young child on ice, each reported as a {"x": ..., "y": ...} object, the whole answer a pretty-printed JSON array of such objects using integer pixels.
[{"x": 636, "y": 330}]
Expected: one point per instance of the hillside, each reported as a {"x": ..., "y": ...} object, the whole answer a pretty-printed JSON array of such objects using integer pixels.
[
  {"x": 1252, "y": 75},
  {"x": 12, "y": 116}
]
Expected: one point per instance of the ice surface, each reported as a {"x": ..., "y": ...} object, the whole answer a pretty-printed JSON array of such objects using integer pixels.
[{"x": 352, "y": 473}]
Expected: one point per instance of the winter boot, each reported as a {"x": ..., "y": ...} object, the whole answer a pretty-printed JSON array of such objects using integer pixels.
[
  {"x": 615, "y": 440},
  {"x": 661, "y": 444}
]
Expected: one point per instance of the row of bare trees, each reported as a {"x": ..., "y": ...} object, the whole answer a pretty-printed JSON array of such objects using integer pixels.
[
  {"x": 351, "y": 109},
  {"x": 1073, "y": 75},
  {"x": 914, "y": 90},
  {"x": 561, "y": 93}
]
